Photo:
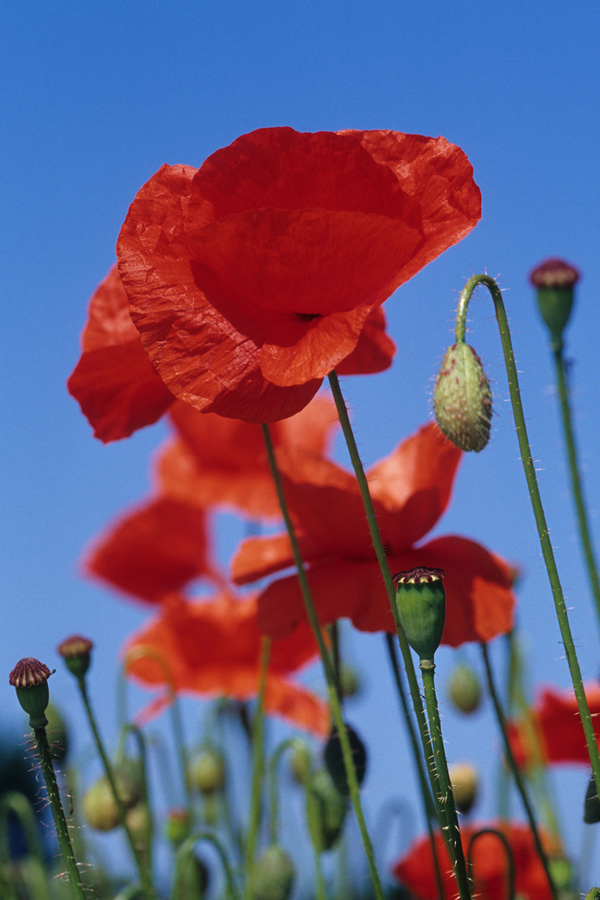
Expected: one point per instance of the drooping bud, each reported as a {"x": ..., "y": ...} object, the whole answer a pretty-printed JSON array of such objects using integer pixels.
[
  {"x": 300, "y": 762},
  {"x": 464, "y": 689},
  {"x": 330, "y": 809},
  {"x": 76, "y": 651},
  {"x": 273, "y": 875},
  {"x": 207, "y": 771},
  {"x": 99, "y": 806},
  {"x": 334, "y": 759},
  {"x": 554, "y": 281},
  {"x": 465, "y": 786},
  {"x": 462, "y": 399},
  {"x": 30, "y": 678},
  {"x": 349, "y": 681},
  {"x": 421, "y": 603}
]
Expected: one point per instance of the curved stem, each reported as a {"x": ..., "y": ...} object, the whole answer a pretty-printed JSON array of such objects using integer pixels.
[
  {"x": 128, "y": 728},
  {"x": 576, "y": 487},
  {"x": 62, "y": 829},
  {"x": 186, "y": 850},
  {"x": 258, "y": 723},
  {"x": 515, "y": 769},
  {"x": 289, "y": 744},
  {"x": 446, "y": 797},
  {"x": 389, "y": 584},
  {"x": 336, "y": 709},
  {"x": 509, "y": 856},
  {"x": 143, "y": 871},
  {"x": 536, "y": 503}
]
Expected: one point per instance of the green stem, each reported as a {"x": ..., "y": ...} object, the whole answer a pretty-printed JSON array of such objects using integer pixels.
[
  {"x": 258, "y": 724},
  {"x": 336, "y": 709},
  {"x": 127, "y": 729},
  {"x": 58, "y": 812},
  {"x": 515, "y": 769},
  {"x": 314, "y": 829},
  {"x": 582, "y": 518},
  {"x": 536, "y": 502},
  {"x": 289, "y": 744},
  {"x": 185, "y": 852},
  {"x": 19, "y": 806},
  {"x": 429, "y": 807},
  {"x": 143, "y": 872},
  {"x": 509, "y": 855},
  {"x": 413, "y": 684},
  {"x": 446, "y": 797}
]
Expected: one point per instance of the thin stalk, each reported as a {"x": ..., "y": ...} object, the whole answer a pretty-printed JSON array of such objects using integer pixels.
[
  {"x": 446, "y": 797},
  {"x": 128, "y": 728},
  {"x": 536, "y": 503},
  {"x": 143, "y": 871},
  {"x": 336, "y": 709},
  {"x": 515, "y": 769},
  {"x": 576, "y": 486},
  {"x": 413, "y": 684},
  {"x": 289, "y": 744},
  {"x": 509, "y": 855},
  {"x": 62, "y": 829},
  {"x": 258, "y": 764},
  {"x": 429, "y": 808},
  {"x": 313, "y": 830},
  {"x": 185, "y": 852}
]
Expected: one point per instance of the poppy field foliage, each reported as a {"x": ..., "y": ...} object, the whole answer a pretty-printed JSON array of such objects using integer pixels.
[{"x": 239, "y": 287}]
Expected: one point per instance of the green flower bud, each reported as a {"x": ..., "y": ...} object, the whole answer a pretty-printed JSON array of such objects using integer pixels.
[
  {"x": 330, "y": 810},
  {"x": 76, "y": 651},
  {"x": 465, "y": 786},
  {"x": 561, "y": 870},
  {"x": 207, "y": 772},
  {"x": 593, "y": 894},
  {"x": 349, "y": 681},
  {"x": 300, "y": 762},
  {"x": 179, "y": 825},
  {"x": 334, "y": 759},
  {"x": 462, "y": 399},
  {"x": 421, "y": 603},
  {"x": 555, "y": 280},
  {"x": 464, "y": 689},
  {"x": 98, "y": 804},
  {"x": 274, "y": 875},
  {"x": 30, "y": 678}
]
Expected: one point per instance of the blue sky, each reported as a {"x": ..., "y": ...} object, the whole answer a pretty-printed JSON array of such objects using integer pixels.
[{"x": 97, "y": 97}]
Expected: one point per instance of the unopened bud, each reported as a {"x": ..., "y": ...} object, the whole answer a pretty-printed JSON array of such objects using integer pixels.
[
  {"x": 273, "y": 876},
  {"x": 300, "y": 762},
  {"x": 464, "y": 689},
  {"x": 462, "y": 399},
  {"x": 207, "y": 772},
  {"x": 349, "y": 681},
  {"x": 329, "y": 809},
  {"x": 99, "y": 806},
  {"x": 554, "y": 281},
  {"x": 421, "y": 603},
  {"x": 465, "y": 786},
  {"x": 334, "y": 759}
]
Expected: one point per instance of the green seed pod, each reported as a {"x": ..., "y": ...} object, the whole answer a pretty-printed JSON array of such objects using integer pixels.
[
  {"x": 464, "y": 689},
  {"x": 76, "y": 652},
  {"x": 334, "y": 759},
  {"x": 330, "y": 809},
  {"x": 274, "y": 875},
  {"x": 554, "y": 281},
  {"x": 465, "y": 786},
  {"x": 30, "y": 678},
  {"x": 421, "y": 603},
  {"x": 207, "y": 772},
  {"x": 462, "y": 399}
]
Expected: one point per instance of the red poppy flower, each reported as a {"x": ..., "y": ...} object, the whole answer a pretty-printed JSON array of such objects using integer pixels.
[
  {"x": 490, "y": 866},
  {"x": 252, "y": 278},
  {"x": 410, "y": 489},
  {"x": 117, "y": 387},
  {"x": 223, "y": 462},
  {"x": 114, "y": 382},
  {"x": 157, "y": 548},
  {"x": 558, "y": 731},
  {"x": 212, "y": 647}
]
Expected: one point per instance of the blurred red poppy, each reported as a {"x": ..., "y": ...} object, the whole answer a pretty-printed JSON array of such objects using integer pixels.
[
  {"x": 117, "y": 387},
  {"x": 212, "y": 648},
  {"x": 156, "y": 548},
  {"x": 114, "y": 382},
  {"x": 410, "y": 489},
  {"x": 223, "y": 462},
  {"x": 490, "y": 866},
  {"x": 252, "y": 278},
  {"x": 554, "y": 733}
]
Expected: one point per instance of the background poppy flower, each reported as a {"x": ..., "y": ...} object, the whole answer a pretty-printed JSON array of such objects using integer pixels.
[
  {"x": 223, "y": 462},
  {"x": 154, "y": 549},
  {"x": 114, "y": 381},
  {"x": 490, "y": 866},
  {"x": 252, "y": 278},
  {"x": 558, "y": 729},
  {"x": 410, "y": 490},
  {"x": 212, "y": 648}
]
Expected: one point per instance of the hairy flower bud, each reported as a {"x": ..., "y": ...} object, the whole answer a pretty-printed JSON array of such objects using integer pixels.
[
  {"x": 421, "y": 602},
  {"x": 462, "y": 399},
  {"x": 207, "y": 771},
  {"x": 273, "y": 876},
  {"x": 99, "y": 806},
  {"x": 465, "y": 786},
  {"x": 554, "y": 281},
  {"x": 464, "y": 689},
  {"x": 30, "y": 678}
]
